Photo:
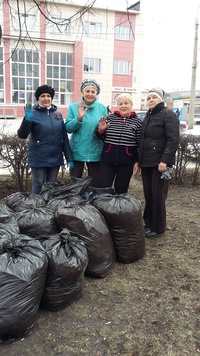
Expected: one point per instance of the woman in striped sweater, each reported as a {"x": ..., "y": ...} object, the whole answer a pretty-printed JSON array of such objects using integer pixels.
[{"x": 120, "y": 133}]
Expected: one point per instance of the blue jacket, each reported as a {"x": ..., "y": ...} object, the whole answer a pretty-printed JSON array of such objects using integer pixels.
[
  {"x": 48, "y": 138},
  {"x": 84, "y": 146}
]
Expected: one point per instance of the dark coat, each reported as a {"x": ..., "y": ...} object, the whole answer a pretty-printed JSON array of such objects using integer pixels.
[
  {"x": 48, "y": 139},
  {"x": 159, "y": 137}
]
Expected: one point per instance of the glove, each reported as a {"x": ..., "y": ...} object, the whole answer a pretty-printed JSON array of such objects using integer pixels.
[
  {"x": 29, "y": 112},
  {"x": 70, "y": 165},
  {"x": 167, "y": 174}
]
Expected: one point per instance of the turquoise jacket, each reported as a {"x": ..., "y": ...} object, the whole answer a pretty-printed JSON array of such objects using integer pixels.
[{"x": 84, "y": 146}]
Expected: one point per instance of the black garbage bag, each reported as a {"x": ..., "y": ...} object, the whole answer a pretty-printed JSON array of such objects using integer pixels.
[
  {"x": 86, "y": 221},
  {"x": 49, "y": 187},
  {"x": 23, "y": 270},
  {"x": 7, "y": 220},
  {"x": 72, "y": 186},
  {"x": 37, "y": 222},
  {"x": 92, "y": 193},
  {"x": 5, "y": 213},
  {"x": 68, "y": 260},
  {"x": 124, "y": 218},
  {"x": 21, "y": 200},
  {"x": 11, "y": 227},
  {"x": 70, "y": 200}
]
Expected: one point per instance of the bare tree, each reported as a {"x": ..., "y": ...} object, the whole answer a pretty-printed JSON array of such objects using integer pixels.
[
  {"x": 20, "y": 10},
  {"x": 19, "y": 17}
]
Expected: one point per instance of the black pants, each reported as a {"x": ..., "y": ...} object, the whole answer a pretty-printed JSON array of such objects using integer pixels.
[
  {"x": 120, "y": 175},
  {"x": 93, "y": 171},
  {"x": 155, "y": 194}
]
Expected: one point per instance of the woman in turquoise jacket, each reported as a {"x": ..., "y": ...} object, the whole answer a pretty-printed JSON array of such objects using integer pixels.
[{"x": 81, "y": 122}]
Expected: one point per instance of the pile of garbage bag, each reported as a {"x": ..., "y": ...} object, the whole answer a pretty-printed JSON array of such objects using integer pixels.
[{"x": 49, "y": 244}]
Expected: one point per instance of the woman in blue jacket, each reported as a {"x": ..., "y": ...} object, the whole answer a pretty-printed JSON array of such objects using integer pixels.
[
  {"x": 82, "y": 120},
  {"x": 48, "y": 139}
]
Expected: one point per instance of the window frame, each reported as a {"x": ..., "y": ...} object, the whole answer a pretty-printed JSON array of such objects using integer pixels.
[
  {"x": 96, "y": 32},
  {"x": 24, "y": 85},
  {"x": 96, "y": 65},
  {"x": 59, "y": 63},
  {"x": 120, "y": 67},
  {"x": 26, "y": 25},
  {"x": 57, "y": 28},
  {"x": 123, "y": 33},
  {"x": 2, "y": 81}
]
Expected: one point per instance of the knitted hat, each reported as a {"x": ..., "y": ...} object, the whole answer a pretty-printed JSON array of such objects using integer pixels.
[
  {"x": 157, "y": 92},
  {"x": 44, "y": 89},
  {"x": 90, "y": 83}
]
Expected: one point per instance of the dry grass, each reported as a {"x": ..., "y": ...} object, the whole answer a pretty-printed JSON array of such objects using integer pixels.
[{"x": 148, "y": 308}]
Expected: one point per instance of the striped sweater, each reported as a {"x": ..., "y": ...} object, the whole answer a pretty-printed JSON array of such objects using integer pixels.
[{"x": 121, "y": 139}]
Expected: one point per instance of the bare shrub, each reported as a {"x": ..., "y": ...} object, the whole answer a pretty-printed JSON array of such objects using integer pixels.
[
  {"x": 188, "y": 155},
  {"x": 13, "y": 155}
]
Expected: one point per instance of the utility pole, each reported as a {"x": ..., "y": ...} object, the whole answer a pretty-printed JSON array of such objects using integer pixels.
[{"x": 193, "y": 80}]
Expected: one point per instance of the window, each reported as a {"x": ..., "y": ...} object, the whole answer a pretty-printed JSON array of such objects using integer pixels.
[
  {"x": 123, "y": 33},
  {"x": 25, "y": 75},
  {"x": 121, "y": 67},
  {"x": 24, "y": 21},
  {"x": 59, "y": 74},
  {"x": 92, "y": 65},
  {"x": 93, "y": 29},
  {"x": 1, "y": 76},
  {"x": 59, "y": 25}
]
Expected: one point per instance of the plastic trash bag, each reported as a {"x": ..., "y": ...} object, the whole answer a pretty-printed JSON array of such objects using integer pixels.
[
  {"x": 5, "y": 214},
  {"x": 86, "y": 221},
  {"x": 7, "y": 220},
  {"x": 23, "y": 269},
  {"x": 72, "y": 186},
  {"x": 91, "y": 194},
  {"x": 124, "y": 218},
  {"x": 21, "y": 200},
  {"x": 37, "y": 222},
  {"x": 65, "y": 278},
  {"x": 49, "y": 187},
  {"x": 70, "y": 200}
]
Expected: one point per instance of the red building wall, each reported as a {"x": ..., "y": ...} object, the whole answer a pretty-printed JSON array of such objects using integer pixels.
[{"x": 123, "y": 50}]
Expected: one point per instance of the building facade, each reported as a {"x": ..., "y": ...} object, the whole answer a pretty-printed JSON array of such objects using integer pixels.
[
  {"x": 59, "y": 44},
  {"x": 181, "y": 102}
]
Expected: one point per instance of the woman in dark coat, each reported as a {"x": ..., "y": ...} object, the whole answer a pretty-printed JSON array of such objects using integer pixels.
[
  {"x": 158, "y": 144},
  {"x": 48, "y": 140}
]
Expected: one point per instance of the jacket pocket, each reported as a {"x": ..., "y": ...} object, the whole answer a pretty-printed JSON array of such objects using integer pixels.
[
  {"x": 127, "y": 152},
  {"x": 108, "y": 148}
]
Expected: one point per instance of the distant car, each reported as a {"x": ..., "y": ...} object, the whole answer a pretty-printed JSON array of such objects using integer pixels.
[
  {"x": 194, "y": 132},
  {"x": 194, "y": 137},
  {"x": 196, "y": 121},
  {"x": 141, "y": 114},
  {"x": 183, "y": 126}
]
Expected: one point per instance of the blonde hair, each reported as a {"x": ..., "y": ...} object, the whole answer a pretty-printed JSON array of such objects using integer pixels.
[{"x": 125, "y": 95}]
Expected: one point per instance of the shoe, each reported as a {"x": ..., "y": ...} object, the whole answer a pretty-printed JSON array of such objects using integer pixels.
[
  {"x": 150, "y": 234},
  {"x": 146, "y": 226}
]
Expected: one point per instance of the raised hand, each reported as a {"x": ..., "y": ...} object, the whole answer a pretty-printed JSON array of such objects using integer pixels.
[
  {"x": 103, "y": 124},
  {"x": 29, "y": 113},
  {"x": 81, "y": 111}
]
